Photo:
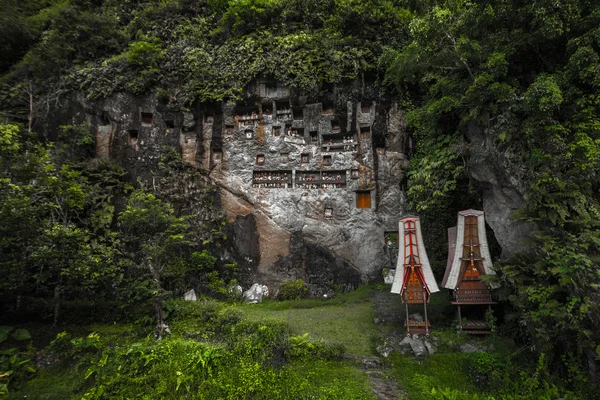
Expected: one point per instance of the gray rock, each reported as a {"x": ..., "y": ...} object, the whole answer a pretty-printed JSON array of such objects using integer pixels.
[
  {"x": 190, "y": 295},
  {"x": 256, "y": 293},
  {"x": 429, "y": 346},
  {"x": 417, "y": 317},
  {"x": 389, "y": 277},
  {"x": 469, "y": 348}
]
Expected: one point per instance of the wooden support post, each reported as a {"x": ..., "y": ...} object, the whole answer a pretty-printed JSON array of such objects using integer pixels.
[
  {"x": 425, "y": 308},
  {"x": 459, "y": 319},
  {"x": 407, "y": 321}
]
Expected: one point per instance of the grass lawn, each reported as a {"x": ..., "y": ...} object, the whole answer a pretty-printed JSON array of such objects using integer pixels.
[{"x": 346, "y": 319}]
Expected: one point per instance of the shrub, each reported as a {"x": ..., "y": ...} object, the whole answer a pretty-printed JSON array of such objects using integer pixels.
[
  {"x": 292, "y": 290},
  {"x": 301, "y": 347}
]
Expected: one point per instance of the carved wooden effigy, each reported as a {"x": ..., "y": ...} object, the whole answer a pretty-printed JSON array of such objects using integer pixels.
[
  {"x": 468, "y": 260},
  {"x": 414, "y": 280}
]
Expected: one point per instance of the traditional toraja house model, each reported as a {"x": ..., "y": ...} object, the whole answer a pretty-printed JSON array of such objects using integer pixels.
[
  {"x": 468, "y": 260},
  {"x": 414, "y": 280}
]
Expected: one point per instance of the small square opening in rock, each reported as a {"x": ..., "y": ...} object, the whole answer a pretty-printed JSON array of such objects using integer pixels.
[
  {"x": 365, "y": 132},
  {"x": 328, "y": 212},
  {"x": 335, "y": 127},
  {"x": 354, "y": 174},
  {"x": 249, "y": 134},
  {"x": 267, "y": 108},
  {"x": 326, "y": 160},
  {"x": 314, "y": 136},
  {"x": 260, "y": 159},
  {"x": 102, "y": 119},
  {"x": 298, "y": 114},
  {"x": 276, "y": 131},
  {"x": 170, "y": 124},
  {"x": 132, "y": 136},
  {"x": 146, "y": 119},
  {"x": 304, "y": 158},
  {"x": 365, "y": 108}
]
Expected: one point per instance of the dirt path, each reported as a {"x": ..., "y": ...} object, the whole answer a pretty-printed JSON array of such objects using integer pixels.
[
  {"x": 383, "y": 385},
  {"x": 387, "y": 311}
]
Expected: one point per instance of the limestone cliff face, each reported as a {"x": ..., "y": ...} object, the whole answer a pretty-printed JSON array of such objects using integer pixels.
[
  {"x": 311, "y": 185},
  {"x": 503, "y": 190}
]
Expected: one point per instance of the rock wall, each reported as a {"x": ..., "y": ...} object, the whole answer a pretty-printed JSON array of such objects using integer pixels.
[{"x": 311, "y": 185}]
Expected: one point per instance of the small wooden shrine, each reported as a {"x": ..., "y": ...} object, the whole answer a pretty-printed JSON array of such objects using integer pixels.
[
  {"x": 468, "y": 260},
  {"x": 414, "y": 280}
]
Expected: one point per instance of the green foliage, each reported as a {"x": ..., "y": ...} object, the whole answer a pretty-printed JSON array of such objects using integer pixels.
[
  {"x": 292, "y": 290},
  {"x": 75, "y": 349},
  {"x": 15, "y": 364},
  {"x": 301, "y": 347},
  {"x": 474, "y": 78}
]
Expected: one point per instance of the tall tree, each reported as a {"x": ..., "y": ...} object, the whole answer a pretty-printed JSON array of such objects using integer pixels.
[{"x": 152, "y": 235}]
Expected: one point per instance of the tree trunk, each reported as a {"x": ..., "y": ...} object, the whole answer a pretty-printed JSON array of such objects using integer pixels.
[
  {"x": 161, "y": 326},
  {"x": 57, "y": 290}
]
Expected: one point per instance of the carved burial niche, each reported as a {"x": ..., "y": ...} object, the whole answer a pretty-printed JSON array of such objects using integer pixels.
[
  {"x": 132, "y": 137},
  {"x": 246, "y": 114},
  {"x": 146, "y": 120},
  {"x": 217, "y": 156},
  {"x": 304, "y": 158},
  {"x": 170, "y": 124},
  {"x": 298, "y": 114},
  {"x": 270, "y": 89},
  {"x": 272, "y": 179},
  {"x": 354, "y": 174},
  {"x": 267, "y": 108},
  {"x": 363, "y": 199},
  {"x": 102, "y": 119},
  {"x": 260, "y": 159},
  {"x": 328, "y": 213},
  {"x": 314, "y": 136},
  {"x": 320, "y": 179},
  {"x": 229, "y": 129},
  {"x": 335, "y": 127},
  {"x": 365, "y": 107},
  {"x": 249, "y": 133},
  {"x": 328, "y": 108},
  {"x": 283, "y": 108},
  {"x": 365, "y": 132},
  {"x": 276, "y": 131},
  {"x": 327, "y": 160}
]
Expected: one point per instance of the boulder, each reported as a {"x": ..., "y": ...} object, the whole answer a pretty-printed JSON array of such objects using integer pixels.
[
  {"x": 255, "y": 294},
  {"x": 235, "y": 291},
  {"x": 388, "y": 279},
  {"x": 190, "y": 295}
]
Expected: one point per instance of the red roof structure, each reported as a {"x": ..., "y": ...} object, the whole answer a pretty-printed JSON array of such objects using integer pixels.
[
  {"x": 468, "y": 260},
  {"x": 414, "y": 279}
]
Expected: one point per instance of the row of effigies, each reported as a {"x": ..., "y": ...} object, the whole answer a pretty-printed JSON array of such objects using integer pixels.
[{"x": 468, "y": 260}]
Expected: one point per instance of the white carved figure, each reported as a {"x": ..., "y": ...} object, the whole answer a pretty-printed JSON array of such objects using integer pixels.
[
  {"x": 256, "y": 293},
  {"x": 190, "y": 295}
]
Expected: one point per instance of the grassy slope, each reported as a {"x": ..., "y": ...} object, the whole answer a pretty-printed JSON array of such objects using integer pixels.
[{"x": 347, "y": 319}]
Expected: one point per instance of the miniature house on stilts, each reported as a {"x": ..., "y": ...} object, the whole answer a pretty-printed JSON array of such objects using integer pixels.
[
  {"x": 414, "y": 280},
  {"x": 468, "y": 260}
]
